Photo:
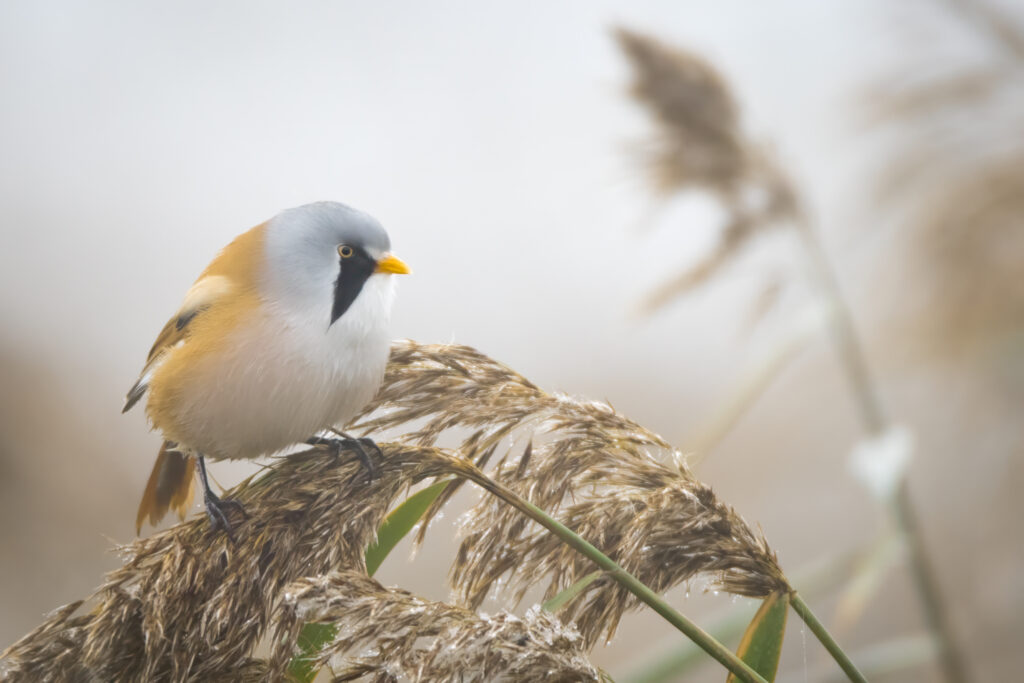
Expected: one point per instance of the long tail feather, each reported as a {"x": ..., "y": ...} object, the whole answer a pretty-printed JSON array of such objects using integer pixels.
[
  {"x": 136, "y": 392},
  {"x": 169, "y": 486}
]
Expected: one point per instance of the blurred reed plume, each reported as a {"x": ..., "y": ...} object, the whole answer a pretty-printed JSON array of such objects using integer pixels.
[
  {"x": 586, "y": 465},
  {"x": 959, "y": 189},
  {"x": 190, "y": 605},
  {"x": 403, "y": 637},
  {"x": 699, "y": 143}
]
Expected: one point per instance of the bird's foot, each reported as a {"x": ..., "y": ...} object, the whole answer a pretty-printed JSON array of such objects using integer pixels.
[
  {"x": 361, "y": 446},
  {"x": 216, "y": 510}
]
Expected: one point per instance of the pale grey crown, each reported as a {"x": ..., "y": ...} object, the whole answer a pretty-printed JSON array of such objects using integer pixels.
[{"x": 301, "y": 250}]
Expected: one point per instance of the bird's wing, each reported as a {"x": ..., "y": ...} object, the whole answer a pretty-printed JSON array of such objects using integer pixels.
[{"x": 200, "y": 297}]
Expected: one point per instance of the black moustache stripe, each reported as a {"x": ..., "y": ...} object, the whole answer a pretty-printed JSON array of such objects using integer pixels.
[{"x": 353, "y": 272}]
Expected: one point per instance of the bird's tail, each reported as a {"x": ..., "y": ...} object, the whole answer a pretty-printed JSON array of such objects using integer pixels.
[{"x": 169, "y": 486}]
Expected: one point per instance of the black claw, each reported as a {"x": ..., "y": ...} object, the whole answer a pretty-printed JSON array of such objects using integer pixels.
[
  {"x": 361, "y": 446},
  {"x": 218, "y": 520},
  {"x": 216, "y": 506},
  {"x": 367, "y": 442}
]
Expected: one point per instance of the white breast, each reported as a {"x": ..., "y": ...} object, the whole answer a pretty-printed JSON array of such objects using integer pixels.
[{"x": 292, "y": 374}]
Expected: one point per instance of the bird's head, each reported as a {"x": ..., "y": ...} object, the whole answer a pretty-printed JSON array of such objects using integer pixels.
[{"x": 321, "y": 256}]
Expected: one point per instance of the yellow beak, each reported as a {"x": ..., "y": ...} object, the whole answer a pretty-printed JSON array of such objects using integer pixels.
[{"x": 390, "y": 263}]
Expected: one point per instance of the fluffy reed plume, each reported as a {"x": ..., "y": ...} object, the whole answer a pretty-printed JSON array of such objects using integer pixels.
[
  {"x": 393, "y": 635},
  {"x": 699, "y": 144},
  {"x": 664, "y": 530},
  {"x": 960, "y": 187},
  {"x": 188, "y": 604},
  {"x": 592, "y": 469}
]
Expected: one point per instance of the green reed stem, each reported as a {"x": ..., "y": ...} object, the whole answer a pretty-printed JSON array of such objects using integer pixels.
[
  {"x": 875, "y": 421},
  {"x": 826, "y": 639}
]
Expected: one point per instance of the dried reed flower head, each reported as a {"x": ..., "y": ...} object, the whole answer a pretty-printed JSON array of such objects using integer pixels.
[
  {"x": 699, "y": 144},
  {"x": 958, "y": 188},
  {"x": 188, "y": 604},
  {"x": 972, "y": 253},
  {"x": 699, "y": 139},
  {"x": 665, "y": 529},
  {"x": 47, "y": 652},
  {"x": 585, "y": 464},
  {"x": 655, "y": 521},
  {"x": 390, "y": 634}
]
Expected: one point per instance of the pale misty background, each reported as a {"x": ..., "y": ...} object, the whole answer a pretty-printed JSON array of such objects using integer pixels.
[{"x": 496, "y": 144}]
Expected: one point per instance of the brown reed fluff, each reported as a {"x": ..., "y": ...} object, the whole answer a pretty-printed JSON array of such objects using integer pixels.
[
  {"x": 699, "y": 141},
  {"x": 665, "y": 532},
  {"x": 592, "y": 469},
  {"x": 189, "y": 604},
  {"x": 400, "y": 636},
  {"x": 958, "y": 188},
  {"x": 699, "y": 144}
]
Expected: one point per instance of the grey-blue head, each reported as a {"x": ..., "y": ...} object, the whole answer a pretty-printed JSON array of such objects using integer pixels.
[{"x": 323, "y": 253}]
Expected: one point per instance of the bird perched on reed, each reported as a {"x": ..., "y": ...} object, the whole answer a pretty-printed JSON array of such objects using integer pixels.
[{"x": 284, "y": 335}]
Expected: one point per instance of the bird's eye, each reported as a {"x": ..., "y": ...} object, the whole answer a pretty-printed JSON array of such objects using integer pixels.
[{"x": 345, "y": 251}]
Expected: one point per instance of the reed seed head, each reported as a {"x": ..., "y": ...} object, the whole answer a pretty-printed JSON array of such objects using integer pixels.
[
  {"x": 699, "y": 144},
  {"x": 388, "y": 634},
  {"x": 617, "y": 484}
]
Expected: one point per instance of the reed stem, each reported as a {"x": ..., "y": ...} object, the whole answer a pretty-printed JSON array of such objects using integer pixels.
[
  {"x": 825, "y": 638},
  {"x": 876, "y": 422}
]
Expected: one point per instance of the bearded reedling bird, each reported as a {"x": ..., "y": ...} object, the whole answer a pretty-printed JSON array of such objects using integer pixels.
[{"x": 284, "y": 335}]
